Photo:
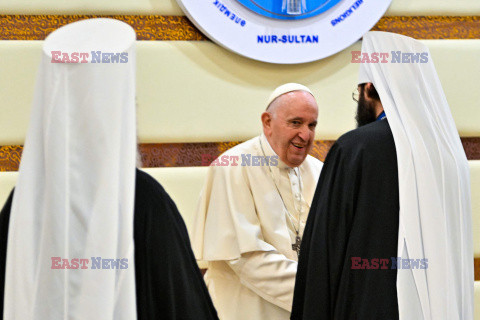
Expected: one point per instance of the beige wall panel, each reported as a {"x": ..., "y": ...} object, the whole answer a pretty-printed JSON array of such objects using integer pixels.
[
  {"x": 19, "y": 61},
  {"x": 212, "y": 94},
  {"x": 434, "y": 7},
  {"x": 7, "y": 182},
  {"x": 184, "y": 186},
  {"x": 200, "y": 92},
  {"x": 458, "y": 66},
  {"x": 170, "y": 7},
  {"x": 477, "y": 300}
]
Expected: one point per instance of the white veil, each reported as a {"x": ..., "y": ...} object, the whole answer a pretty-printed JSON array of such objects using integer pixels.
[
  {"x": 75, "y": 192},
  {"x": 434, "y": 183}
]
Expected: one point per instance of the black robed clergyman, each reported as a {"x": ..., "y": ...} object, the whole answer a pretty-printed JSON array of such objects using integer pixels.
[{"x": 394, "y": 192}]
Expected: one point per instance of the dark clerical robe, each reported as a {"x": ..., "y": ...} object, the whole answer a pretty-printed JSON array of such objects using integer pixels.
[
  {"x": 345, "y": 267},
  {"x": 169, "y": 284}
]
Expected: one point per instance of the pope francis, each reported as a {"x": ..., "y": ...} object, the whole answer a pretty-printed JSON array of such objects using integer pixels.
[{"x": 252, "y": 211}]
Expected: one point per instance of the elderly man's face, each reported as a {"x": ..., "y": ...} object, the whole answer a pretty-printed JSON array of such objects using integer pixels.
[{"x": 289, "y": 126}]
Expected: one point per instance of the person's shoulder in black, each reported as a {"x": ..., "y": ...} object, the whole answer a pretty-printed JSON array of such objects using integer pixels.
[
  {"x": 4, "y": 222},
  {"x": 169, "y": 283},
  {"x": 354, "y": 214},
  {"x": 372, "y": 135}
]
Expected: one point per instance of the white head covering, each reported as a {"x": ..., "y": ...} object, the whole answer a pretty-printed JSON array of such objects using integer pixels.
[
  {"x": 75, "y": 192},
  {"x": 286, "y": 88},
  {"x": 435, "y": 209}
]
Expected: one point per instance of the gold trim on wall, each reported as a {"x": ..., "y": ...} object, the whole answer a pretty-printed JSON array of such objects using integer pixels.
[
  {"x": 148, "y": 27},
  {"x": 476, "y": 263},
  {"x": 156, "y": 155},
  {"x": 156, "y": 27},
  {"x": 432, "y": 27}
]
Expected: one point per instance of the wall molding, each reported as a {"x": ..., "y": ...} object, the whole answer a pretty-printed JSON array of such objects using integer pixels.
[
  {"x": 173, "y": 28},
  {"x": 147, "y": 27},
  {"x": 476, "y": 263},
  {"x": 156, "y": 155}
]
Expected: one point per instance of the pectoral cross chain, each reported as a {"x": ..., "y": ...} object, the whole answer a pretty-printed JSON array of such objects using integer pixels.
[{"x": 296, "y": 245}]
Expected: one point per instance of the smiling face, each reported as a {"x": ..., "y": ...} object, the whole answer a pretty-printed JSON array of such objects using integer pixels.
[{"x": 289, "y": 125}]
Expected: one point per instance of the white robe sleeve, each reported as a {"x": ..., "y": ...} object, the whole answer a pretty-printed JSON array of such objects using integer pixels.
[
  {"x": 227, "y": 224},
  {"x": 269, "y": 274}
]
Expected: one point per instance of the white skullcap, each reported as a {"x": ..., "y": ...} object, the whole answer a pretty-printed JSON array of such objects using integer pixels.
[{"x": 286, "y": 88}]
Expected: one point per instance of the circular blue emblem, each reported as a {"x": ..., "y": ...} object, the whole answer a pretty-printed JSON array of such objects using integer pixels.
[{"x": 289, "y": 9}]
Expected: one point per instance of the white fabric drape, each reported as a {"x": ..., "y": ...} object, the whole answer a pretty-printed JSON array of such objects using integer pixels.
[
  {"x": 435, "y": 209},
  {"x": 75, "y": 192}
]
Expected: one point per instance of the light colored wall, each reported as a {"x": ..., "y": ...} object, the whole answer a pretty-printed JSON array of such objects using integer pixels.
[
  {"x": 477, "y": 300},
  {"x": 196, "y": 91}
]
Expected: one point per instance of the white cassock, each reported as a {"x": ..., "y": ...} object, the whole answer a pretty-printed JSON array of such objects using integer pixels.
[{"x": 243, "y": 231}]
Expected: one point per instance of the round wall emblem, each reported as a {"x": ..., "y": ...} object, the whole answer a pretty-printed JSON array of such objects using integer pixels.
[
  {"x": 289, "y": 9},
  {"x": 285, "y": 31}
]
